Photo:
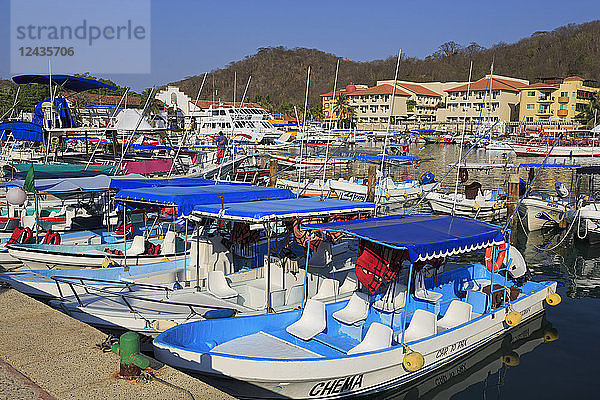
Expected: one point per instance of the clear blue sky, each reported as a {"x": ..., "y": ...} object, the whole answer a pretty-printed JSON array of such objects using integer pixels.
[{"x": 190, "y": 37}]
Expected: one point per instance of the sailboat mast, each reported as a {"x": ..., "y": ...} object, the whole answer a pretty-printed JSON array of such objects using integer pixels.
[
  {"x": 462, "y": 140},
  {"x": 328, "y": 134}
]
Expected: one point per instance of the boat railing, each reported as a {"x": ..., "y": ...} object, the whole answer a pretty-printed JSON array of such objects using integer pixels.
[{"x": 125, "y": 296}]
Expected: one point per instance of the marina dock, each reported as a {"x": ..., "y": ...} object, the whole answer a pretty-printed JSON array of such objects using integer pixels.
[{"x": 69, "y": 364}]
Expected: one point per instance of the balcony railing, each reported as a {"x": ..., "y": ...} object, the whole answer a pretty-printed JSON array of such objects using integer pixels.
[
  {"x": 562, "y": 113},
  {"x": 563, "y": 99}
]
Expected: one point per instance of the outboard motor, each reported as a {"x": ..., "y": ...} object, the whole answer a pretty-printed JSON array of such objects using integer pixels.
[
  {"x": 426, "y": 178},
  {"x": 561, "y": 190},
  {"x": 518, "y": 268}
]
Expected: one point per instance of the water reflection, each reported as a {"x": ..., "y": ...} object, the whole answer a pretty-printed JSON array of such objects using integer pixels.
[{"x": 485, "y": 370}]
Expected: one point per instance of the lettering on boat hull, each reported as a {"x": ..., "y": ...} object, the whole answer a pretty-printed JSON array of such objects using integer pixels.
[{"x": 335, "y": 386}]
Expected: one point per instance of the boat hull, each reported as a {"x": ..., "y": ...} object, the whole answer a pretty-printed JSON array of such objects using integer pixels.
[
  {"x": 537, "y": 213},
  {"x": 362, "y": 374}
]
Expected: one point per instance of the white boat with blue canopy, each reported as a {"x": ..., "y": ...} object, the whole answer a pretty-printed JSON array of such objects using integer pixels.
[
  {"x": 244, "y": 266},
  {"x": 136, "y": 251},
  {"x": 400, "y": 326}
]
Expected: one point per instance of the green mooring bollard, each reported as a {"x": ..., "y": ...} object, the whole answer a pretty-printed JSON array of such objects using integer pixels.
[{"x": 129, "y": 351}]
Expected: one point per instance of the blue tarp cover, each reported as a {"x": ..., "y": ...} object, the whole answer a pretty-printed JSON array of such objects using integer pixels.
[
  {"x": 97, "y": 183},
  {"x": 551, "y": 165},
  {"x": 425, "y": 236},
  {"x": 185, "y": 198},
  {"x": 21, "y": 130},
  {"x": 142, "y": 182},
  {"x": 64, "y": 112},
  {"x": 376, "y": 157},
  {"x": 289, "y": 208},
  {"x": 69, "y": 82}
]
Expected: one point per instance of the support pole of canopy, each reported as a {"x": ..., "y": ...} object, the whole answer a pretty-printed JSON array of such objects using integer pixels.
[
  {"x": 184, "y": 251},
  {"x": 197, "y": 257},
  {"x": 268, "y": 267},
  {"x": 305, "y": 291},
  {"x": 406, "y": 302},
  {"x": 125, "y": 237}
]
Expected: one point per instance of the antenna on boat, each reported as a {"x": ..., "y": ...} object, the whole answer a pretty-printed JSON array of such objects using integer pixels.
[
  {"x": 462, "y": 141},
  {"x": 389, "y": 121},
  {"x": 330, "y": 120}
]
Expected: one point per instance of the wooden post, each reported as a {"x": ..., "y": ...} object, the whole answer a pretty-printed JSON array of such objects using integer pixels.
[
  {"x": 272, "y": 173},
  {"x": 371, "y": 183},
  {"x": 513, "y": 198}
]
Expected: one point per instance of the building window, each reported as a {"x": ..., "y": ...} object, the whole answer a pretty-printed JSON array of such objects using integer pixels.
[
  {"x": 530, "y": 106},
  {"x": 564, "y": 94},
  {"x": 564, "y": 107},
  {"x": 531, "y": 94},
  {"x": 529, "y": 119}
]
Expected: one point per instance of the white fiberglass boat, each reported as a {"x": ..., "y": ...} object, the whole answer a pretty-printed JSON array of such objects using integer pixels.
[
  {"x": 380, "y": 338},
  {"x": 487, "y": 204}
]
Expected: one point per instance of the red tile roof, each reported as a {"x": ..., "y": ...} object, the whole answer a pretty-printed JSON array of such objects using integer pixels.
[
  {"x": 539, "y": 85},
  {"x": 484, "y": 84},
  {"x": 107, "y": 100},
  {"x": 574, "y": 78},
  {"x": 418, "y": 89},
  {"x": 380, "y": 89}
]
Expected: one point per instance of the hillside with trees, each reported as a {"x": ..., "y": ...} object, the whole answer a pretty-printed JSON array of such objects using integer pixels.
[{"x": 279, "y": 74}]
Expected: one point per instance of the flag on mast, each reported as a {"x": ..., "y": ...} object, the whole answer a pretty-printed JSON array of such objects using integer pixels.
[{"x": 29, "y": 184}]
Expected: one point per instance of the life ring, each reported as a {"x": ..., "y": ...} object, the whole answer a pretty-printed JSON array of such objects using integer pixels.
[
  {"x": 463, "y": 174},
  {"x": 499, "y": 259}
]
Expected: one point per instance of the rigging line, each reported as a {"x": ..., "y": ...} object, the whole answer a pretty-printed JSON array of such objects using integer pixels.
[
  {"x": 319, "y": 170},
  {"x": 328, "y": 136}
]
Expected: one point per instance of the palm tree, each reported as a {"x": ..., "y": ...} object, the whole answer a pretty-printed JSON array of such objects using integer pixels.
[
  {"x": 343, "y": 109},
  {"x": 588, "y": 115}
]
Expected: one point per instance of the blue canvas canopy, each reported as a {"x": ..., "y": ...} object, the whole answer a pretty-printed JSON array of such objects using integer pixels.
[
  {"x": 527, "y": 165},
  {"x": 96, "y": 183},
  {"x": 281, "y": 209},
  {"x": 21, "y": 130},
  {"x": 64, "y": 113},
  {"x": 376, "y": 157},
  {"x": 148, "y": 182},
  {"x": 425, "y": 236},
  {"x": 186, "y": 197},
  {"x": 69, "y": 82}
]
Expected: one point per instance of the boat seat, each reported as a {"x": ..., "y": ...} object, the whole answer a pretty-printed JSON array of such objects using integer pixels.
[
  {"x": 378, "y": 337},
  {"x": 138, "y": 246},
  {"x": 294, "y": 295},
  {"x": 312, "y": 322},
  {"x": 422, "y": 293},
  {"x": 356, "y": 310},
  {"x": 327, "y": 289},
  {"x": 458, "y": 313},
  {"x": 322, "y": 256},
  {"x": 475, "y": 284},
  {"x": 422, "y": 325},
  {"x": 350, "y": 283},
  {"x": 168, "y": 244},
  {"x": 217, "y": 285},
  {"x": 478, "y": 301},
  {"x": 390, "y": 302}
]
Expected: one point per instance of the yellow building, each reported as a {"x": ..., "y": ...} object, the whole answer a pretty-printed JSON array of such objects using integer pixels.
[
  {"x": 555, "y": 102},
  {"x": 328, "y": 101}
]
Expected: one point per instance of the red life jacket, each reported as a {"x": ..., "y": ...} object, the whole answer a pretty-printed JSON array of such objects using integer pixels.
[
  {"x": 21, "y": 235},
  {"x": 52, "y": 237},
  {"x": 378, "y": 264}
]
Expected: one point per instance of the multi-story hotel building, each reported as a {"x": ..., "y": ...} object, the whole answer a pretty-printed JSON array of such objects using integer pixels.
[
  {"x": 555, "y": 101},
  {"x": 487, "y": 99}
]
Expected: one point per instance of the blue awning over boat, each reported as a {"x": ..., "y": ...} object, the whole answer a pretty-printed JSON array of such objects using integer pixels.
[
  {"x": 527, "y": 165},
  {"x": 281, "y": 209},
  {"x": 185, "y": 197},
  {"x": 69, "y": 82},
  {"x": 97, "y": 183},
  {"x": 21, "y": 130},
  {"x": 376, "y": 157},
  {"x": 142, "y": 182},
  {"x": 425, "y": 236}
]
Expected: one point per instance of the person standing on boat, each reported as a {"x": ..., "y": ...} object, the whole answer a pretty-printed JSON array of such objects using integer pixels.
[{"x": 221, "y": 145}]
